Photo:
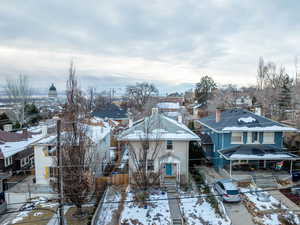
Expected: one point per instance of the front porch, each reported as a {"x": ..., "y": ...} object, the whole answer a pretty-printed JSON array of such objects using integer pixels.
[
  {"x": 170, "y": 170},
  {"x": 255, "y": 159}
]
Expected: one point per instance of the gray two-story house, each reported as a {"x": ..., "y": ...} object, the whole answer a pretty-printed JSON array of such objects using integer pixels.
[{"x": 240, "y": 137}]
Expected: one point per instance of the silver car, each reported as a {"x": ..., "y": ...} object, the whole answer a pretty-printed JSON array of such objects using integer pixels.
[{"x": 228, "y": 190}]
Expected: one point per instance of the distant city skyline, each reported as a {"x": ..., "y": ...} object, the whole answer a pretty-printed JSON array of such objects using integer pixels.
[{"x": 169, "y": 43}]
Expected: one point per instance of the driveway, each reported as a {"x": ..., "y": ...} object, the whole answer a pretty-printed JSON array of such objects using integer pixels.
[
  {"x": 236, "y": 211},
  {"x": 238, "y": 214}
]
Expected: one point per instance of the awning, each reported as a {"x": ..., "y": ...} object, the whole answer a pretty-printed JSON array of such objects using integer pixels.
[{"x": 257, "y": 152}]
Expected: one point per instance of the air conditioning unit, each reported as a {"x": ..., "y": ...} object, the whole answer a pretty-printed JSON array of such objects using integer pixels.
[{"x": 7, "y": 127}]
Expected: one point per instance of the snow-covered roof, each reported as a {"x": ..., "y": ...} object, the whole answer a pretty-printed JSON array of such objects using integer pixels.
[
  {"x": 168, "y": 105},
  {"x": 256, "y": 152},
  {"x": 243, "y": 120},
  {"x": 158, "y": 127},
  {"x": 47, "y": 140},
  {"x": 96, "y": 133},
  {"x": 10, "y": 148}
]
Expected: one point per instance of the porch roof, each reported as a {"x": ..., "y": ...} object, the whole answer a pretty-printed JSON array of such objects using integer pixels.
[{"x": 257, "y": 152}]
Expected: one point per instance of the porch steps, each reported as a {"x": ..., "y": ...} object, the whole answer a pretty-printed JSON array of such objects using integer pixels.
[
  {"x": 265, "y": 181},
  {"x": 171, "y": 187}
]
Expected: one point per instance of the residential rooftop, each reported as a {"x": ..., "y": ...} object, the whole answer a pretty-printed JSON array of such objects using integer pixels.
[{"x": 242, "y": 120}]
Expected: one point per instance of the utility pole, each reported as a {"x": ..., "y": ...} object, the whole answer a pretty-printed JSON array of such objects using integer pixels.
[{"x": 60, "y": 175}]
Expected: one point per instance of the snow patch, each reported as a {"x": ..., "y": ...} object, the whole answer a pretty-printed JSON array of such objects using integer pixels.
[
  {"x": 156, "y": 211},
  {"x": 246, "y": 119}
]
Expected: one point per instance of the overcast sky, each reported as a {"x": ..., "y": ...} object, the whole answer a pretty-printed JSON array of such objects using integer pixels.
[{"x": 171, "y": 43}]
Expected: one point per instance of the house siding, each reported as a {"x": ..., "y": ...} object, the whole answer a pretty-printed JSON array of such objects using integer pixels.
[
  {"x": 180, "y": 151},
  {"x": 223, "y": 141}
]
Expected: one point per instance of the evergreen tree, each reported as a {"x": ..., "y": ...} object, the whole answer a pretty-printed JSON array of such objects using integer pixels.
[
  {"x": 284, "y": 98},
  {"x": 204, "y": 89}
]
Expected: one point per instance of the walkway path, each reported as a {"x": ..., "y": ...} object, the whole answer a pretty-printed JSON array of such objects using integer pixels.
[
  {"x": 173, "y": 197},
  {"x": 286, "y": 201}
]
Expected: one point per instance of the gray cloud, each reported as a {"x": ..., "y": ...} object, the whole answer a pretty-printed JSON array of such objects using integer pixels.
[{"x": 182, "y": 40}]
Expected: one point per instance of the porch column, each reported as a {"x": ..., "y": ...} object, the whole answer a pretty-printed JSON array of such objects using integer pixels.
[
  {"x": 230, "y": 167},
  {"x": 291, "y": 167}
]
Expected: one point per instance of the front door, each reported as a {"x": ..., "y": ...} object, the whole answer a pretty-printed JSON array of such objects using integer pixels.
[{"x": 169, "y": 169}]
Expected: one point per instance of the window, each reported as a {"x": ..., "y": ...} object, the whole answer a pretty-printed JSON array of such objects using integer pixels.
[
  {"x": 169, "y": 144},
  {"x": 141, "y": 164},
  {"x": 236, "y": 137},
  {"x": 150, "y": 165},
  {"x": 145, "y": 145},
  {"x": 254, "y": 137},
  {"x": 268, "y": 138},
  {"x": 53, "y": 171},
  {"x": 7, "y": 161}
]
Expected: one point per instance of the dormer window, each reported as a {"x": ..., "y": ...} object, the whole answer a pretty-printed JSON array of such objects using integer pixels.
[{"x": 236, "y": 138}]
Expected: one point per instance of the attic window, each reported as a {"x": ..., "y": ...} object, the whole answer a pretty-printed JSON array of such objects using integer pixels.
[{"x": 169, "y": 144}]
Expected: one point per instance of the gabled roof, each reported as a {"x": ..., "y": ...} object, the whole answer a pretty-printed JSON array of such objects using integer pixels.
[
  {"x": 242, "y": 120},
  {"x": 168, "y": 105},
  {"x": 158, "y": 127},
  {"x": 13, "y": 143},
  {"x": 111, "y": 111}
]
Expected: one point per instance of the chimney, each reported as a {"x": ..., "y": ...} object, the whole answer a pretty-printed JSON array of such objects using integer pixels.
[
  {"x": 218, "y": 115},
  {"x": 179, "y": 118},
  {"x": 258, "y": 110},
  {"x": 7, "y": 127},
  {"x": 44, "y": 130},
  {"x": 154, "y": 111},
  {"x": 25, "y": 133}
]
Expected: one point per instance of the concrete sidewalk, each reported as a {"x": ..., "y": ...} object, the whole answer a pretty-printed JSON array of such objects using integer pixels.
[{"x": 285, "y": 201}]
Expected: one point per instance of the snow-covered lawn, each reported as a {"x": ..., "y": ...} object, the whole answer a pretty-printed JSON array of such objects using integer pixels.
[
  {"x": 156, "y": 213},
  {"x": 268, "y": 213},
  {"x": 39, "y": 209},
  {"x": 111, "y": 204},
  {"x": 198, "y": 211}
]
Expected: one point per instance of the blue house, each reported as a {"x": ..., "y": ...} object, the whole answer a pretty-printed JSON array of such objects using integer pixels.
[{"x": 237, "y": 137}]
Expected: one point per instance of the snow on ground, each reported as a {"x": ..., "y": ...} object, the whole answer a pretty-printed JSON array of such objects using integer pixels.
[
  {"x": 20, "y": 217},
  {"x": 199, "y": 211},
  {"x": 272, "y": 204},
  {"x": 124, "y": 159},
  {"x": 108, "y": 208},
  {"x": 157, "y": 212},
  {"x": 40, "y": 202}
]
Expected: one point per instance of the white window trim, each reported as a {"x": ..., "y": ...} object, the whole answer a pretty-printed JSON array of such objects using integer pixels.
[
  {"x": 237, "y": 142},
  {"x": 8, "y": 161},
  {"x": 271, "y": 141}
]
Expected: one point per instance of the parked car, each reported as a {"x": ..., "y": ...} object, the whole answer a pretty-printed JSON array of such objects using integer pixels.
[{"x": 228, "y": 190}]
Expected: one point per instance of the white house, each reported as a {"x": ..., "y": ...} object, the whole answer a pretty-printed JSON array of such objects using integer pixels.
[
  {"x": 45, "y": 151},
  {"x": 169, "y": 137}
]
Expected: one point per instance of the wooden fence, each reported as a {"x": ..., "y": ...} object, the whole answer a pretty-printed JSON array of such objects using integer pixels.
[{"x": 115, "y": 179}]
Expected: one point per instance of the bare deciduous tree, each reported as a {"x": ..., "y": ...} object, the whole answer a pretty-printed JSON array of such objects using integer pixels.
[
  {"x": 144, "y": 153},
  {"x": 140, "y": 94},
  {"x": 19, "y": 92},
  {"x": 77, "y": 157}
]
